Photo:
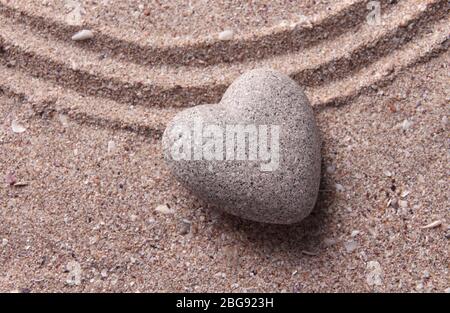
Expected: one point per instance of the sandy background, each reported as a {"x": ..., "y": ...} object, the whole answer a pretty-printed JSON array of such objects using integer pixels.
[{"x": 80, "y": 185}]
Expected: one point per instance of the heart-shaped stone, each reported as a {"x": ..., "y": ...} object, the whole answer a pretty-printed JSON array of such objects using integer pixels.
[{"x": 256, "y": 154}]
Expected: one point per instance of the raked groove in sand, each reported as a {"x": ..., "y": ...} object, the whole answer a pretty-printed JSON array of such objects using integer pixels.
[{"x": 94, "y": 88}]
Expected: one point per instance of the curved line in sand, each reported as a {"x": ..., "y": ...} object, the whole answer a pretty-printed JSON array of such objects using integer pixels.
[
  {"x": 127, "y": 91},
  {"x": 204, "y": 52},
  {"x": 416, "y": 54},
  {"x": 337, "y": 87}
]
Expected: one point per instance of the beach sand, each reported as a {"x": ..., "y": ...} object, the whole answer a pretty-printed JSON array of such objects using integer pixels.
[{"x": 82, "y": 171}]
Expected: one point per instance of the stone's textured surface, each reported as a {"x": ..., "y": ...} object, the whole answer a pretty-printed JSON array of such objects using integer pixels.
[{"x": 285, "y": 195}]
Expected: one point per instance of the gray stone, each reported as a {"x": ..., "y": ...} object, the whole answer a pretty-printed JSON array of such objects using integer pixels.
[{"x": 279, "y": 186}]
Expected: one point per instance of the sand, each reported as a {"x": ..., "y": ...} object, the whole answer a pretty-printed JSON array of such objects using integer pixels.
[{"x": 80, "y": 186}]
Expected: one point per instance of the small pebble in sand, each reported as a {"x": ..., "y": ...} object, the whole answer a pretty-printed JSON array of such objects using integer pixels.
[
  {"x": 328, "y": 242},
  {"x": 419, "y": 286},
  {"x": 164, "y": 209},
  {"x": 133, "y": 217},
  {"x": 444, "y": 121},
  {"x": 355, "y": 233},
  {"x": 406, "y": 124},
  {"x": 17, "y": 127},
  {"x": 82, "y": 35},
  {"x": 284, "y": 23},
  {"x": 374, "y": 273},
  {"x": 403, "y": 203},
  {"x": 339, "y": 188},
  {"x": 63, "y": 120},
  {"x": 392, "y": 203},
  {"x": 4, "y": 242},
  {"x": 114, "y": 279},
  {"x": 220, "y": 275},
  {"x": 331, "y": 169},
  {"x": 93, "y": 240},
  {"x": 226, "y": 35},
  {"x": 350, "y": 246},
  {"x": 185, "y": 227}
]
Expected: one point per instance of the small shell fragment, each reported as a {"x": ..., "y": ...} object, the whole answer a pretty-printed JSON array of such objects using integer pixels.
[
  {"x": 387, "y": 173},
  {"x": 111, "y": 146},
  {"x": 404, "y": 194},
  {"x": 432, "y": 224},
  {"x": 84, "y": 34},
  {"x": 226, "y": 35}
]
